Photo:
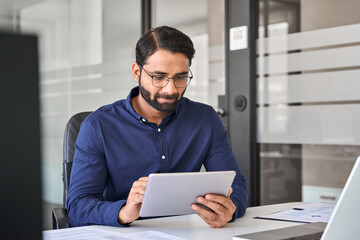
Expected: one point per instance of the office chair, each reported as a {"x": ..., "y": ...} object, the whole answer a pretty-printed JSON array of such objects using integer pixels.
[{"x": 59, "y": 215}]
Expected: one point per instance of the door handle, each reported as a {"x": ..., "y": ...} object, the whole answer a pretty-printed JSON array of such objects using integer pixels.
[{"x": 221, "y": 112}]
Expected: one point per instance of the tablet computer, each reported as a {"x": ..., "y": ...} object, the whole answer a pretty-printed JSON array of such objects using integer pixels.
[{"x": 170, "y": 194}]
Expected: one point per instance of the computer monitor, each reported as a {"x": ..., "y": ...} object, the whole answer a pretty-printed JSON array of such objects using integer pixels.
[{"x": 20, "y": 174}]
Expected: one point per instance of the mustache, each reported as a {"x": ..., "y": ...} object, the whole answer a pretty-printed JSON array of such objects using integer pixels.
[{"x": 167, "y": 96}]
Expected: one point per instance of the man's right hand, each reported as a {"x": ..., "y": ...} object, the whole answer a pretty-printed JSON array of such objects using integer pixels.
[{"x": 131, "y": 210}]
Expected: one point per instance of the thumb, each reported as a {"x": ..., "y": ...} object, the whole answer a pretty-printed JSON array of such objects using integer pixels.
[{"x": 230, "y": 192}]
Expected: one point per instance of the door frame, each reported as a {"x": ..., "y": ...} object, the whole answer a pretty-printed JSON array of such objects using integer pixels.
[{"x": 240, "y": 72}]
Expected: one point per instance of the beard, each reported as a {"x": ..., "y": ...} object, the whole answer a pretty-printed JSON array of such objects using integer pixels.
[{"x": 163, "y": 107}]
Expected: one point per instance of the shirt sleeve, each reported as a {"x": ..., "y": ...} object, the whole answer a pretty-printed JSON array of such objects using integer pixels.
[
  {"x": 85, "y": 203},
  {"x": 220, "y": 157}
]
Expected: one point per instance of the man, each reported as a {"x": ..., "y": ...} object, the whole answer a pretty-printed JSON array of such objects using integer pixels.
[{"x": 155, "y": 129}]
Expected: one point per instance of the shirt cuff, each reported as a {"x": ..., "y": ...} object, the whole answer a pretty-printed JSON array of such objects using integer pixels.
[
  {"x": 239, "y": 212},
  {"x": 111, "y": 216}
]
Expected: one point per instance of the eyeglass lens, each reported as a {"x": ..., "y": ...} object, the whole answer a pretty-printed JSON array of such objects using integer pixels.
[{"x": 162, "y": 81}]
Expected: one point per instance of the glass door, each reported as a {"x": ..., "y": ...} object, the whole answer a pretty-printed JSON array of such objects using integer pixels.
[{"x": 308, "y": 102}]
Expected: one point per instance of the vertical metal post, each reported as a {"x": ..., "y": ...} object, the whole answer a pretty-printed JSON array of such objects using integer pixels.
[
  {"x": 241, "y": 92},
  {"x": 145, "y": 16}
]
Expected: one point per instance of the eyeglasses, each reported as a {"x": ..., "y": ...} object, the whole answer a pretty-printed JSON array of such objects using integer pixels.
[{"x": 161, "y": 81}]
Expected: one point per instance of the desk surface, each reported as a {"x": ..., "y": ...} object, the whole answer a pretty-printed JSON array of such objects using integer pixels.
[{"x": 193, "y": 227}]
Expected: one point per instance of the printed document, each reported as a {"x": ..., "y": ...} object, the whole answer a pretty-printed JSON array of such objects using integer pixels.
[
  {"x": 93, "y": 233},
  {"x": 306, "y": 213}
]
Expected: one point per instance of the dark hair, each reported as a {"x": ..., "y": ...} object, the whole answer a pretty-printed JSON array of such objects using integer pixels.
[{"x": 166, "y": 38}]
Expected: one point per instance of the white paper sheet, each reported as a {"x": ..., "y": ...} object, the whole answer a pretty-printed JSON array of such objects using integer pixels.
[
  {"x": 307, "y": 213},
  {"x": 92, "y": 233}
]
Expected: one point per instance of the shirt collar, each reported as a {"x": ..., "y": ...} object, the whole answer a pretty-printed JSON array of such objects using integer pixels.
[{"x": 134, "y": 92}]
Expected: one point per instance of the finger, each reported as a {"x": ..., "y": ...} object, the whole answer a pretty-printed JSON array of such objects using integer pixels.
[
  {"x": 215, "y": 207},
  {"x": 218, "y": 199},
  {"x": 138, "y": 188},
  {"x": 230, "y": 192},
  {"x": 143, "y": 179},
  {"x": 137, "y": 192},
  {"x": 220, "y": 205},
  {"x": 135, "y": 199},
  {"x": 140, "y": 184},
  {"x": 224, "y": 201},
  {"x": 211, "y": 216}
]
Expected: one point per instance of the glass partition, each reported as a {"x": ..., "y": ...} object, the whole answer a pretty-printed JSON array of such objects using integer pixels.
[
  {"x": 86, "y": 51},
  {"x": 308, "y": 104}
]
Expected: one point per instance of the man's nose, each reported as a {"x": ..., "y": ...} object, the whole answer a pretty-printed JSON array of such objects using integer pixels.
[{"x": 170, "y": 87}]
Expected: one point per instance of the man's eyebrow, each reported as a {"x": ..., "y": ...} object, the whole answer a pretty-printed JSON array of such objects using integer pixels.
[
  {"x": 159, "y": 72},
  {"x": 164, "y": 73},
  {"x": 182, "y": 73}
]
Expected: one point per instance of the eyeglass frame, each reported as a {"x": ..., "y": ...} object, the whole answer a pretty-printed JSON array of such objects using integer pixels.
[{"x": 167, "y": 78}]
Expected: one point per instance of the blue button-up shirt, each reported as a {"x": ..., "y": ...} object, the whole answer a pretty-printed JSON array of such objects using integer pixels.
[{"x": 116, "y": 146}]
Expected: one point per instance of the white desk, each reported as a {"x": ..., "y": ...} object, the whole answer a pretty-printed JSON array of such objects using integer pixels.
[{"x": 193, "y": 227}]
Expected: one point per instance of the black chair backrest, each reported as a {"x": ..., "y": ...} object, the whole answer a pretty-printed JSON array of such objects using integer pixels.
[{"x": 71, "y": 132}]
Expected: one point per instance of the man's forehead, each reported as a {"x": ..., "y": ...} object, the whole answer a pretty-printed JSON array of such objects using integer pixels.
[{"x": 167, "y": 58}]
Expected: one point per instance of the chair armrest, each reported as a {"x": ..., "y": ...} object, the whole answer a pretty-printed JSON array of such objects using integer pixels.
[{"x": 60, "y": 218}]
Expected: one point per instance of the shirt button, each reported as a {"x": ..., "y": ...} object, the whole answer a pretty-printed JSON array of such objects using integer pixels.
[
  {"x": 143, "y": 119},
  {"x": 159, "y": 129},
  {"x": 163, "y": 156}
]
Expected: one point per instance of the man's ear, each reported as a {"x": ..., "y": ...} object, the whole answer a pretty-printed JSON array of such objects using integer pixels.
[{"x": 135, "y": 70}]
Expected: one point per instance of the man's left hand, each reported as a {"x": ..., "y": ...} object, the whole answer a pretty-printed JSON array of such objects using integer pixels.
[{"x": 221, "y": 209}]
